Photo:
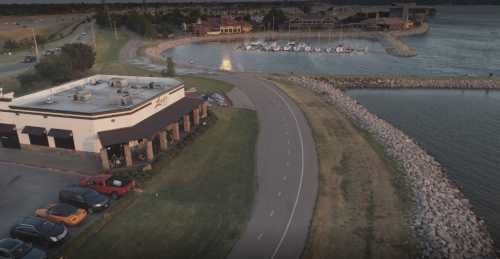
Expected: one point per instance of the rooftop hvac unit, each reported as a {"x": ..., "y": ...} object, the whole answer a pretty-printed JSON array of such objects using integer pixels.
[
  {"x": 126, "y": 100},
  {"x": 118, "y": 82},
  {"x": 82, "y": 96}
]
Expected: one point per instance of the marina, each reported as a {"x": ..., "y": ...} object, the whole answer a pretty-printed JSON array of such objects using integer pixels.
[{"x": 301, "y": 47}]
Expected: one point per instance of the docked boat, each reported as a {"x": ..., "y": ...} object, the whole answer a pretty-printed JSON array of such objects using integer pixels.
[
  {"x": 277, "y": 48},
  {"x": 287, "y": 48},
  {"x": 317, "y": 49},
  {"x": 291, "y": 43},
  {"x": 307, "y": 49}
]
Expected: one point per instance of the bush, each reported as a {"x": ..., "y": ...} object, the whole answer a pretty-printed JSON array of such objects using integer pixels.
[
  {"x": 54, "y": 68},
  {"x": 27, "y": 79},
  {"x": 78, "y": 56}
]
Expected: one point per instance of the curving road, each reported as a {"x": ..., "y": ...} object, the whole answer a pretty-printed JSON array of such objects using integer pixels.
[{"x": 287, "y": 174}]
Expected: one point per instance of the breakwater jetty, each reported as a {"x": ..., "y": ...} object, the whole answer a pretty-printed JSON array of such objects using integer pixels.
[
  {"x": 390, "y": 40},
  {"x": 442, "y": 219},
  {"x": 401, "y": 82}
]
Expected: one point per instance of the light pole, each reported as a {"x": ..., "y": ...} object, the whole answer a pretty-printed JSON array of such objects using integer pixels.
[{"x": 36, "y": 45}]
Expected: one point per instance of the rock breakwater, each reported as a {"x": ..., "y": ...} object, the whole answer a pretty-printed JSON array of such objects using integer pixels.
[
  {"x": 442, "y": 218},
  {"x": 412, "y": 82}
]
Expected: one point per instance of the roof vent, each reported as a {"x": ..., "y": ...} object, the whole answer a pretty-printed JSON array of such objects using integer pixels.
[
  {"x": 82, "y": 95},
  {"x": 49, "y": 100}
]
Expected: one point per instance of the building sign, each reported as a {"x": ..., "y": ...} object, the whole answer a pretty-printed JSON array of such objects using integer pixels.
[{"x": 161, "y": 101}]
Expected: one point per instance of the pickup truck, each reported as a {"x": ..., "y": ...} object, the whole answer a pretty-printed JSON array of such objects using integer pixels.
[{"x": 108, "y": 184}]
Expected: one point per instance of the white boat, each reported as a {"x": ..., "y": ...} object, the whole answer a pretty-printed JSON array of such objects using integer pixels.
[
  {"x": 317, "y": 49},
  {"x": 291, "y": 43},
  {"x": 287, "y": 48},
  {"x": 277, "y": 48},
  {"x": 328, "y": 50},
  {"x": 307, "y": 49},
  {"x": 268, "y": 48},
  {"x": 297, "y": 48},
  {"x": 256, "y": 43},
  {"x": 248, "y": 47}
]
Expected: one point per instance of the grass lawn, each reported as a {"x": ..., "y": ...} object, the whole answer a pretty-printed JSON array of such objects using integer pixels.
[
  {"x": 108, "y": 50},
  {"x": 195, "y": 206},
  {"x": 362, "y": 207},
  {"x": 205, "y": 85}
]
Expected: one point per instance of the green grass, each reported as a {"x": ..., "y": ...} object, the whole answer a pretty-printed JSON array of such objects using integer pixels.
[
  {"x": 195, "y": 206},
  {"x": 9, "y": 83},
  {"x": 205, "y": 85},
  {"x": 108, "y": 49}
]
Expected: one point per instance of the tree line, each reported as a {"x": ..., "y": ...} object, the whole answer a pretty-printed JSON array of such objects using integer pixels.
[{"x": 73, "y": 62}]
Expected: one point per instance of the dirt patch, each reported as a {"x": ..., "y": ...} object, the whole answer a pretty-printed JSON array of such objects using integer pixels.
[{"x": 360, "y": 213}]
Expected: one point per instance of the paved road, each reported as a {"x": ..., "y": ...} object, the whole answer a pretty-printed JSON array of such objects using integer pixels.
[
  {"x": 24, "y": 189},
  {"x": 16, "y": 68},
  {"x": 287, "y": 174}
]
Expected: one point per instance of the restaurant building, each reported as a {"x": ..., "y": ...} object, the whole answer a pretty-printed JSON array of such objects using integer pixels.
[{"x": 122, "y": 119}]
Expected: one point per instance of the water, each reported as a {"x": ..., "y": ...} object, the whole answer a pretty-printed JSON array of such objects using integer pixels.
[
  {"x": 459, "y": 128},
  {"x": 464, "y": 40}
]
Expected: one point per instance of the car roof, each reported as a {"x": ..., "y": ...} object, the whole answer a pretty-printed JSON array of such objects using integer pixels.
[
  {"x": 10, "y": 243},
  {"x": 62, "y": 209},
  {"x": 34, "y": 221},
  {"x": 76, "y": 189}
]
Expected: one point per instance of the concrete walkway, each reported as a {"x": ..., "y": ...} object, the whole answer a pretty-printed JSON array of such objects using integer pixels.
[{"x": 76, "y": 163}]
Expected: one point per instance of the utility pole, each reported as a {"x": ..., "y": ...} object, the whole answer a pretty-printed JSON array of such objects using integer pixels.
[
  {"x": 93, "y": 34},
  {"x": 110, "y": 21},
  {"x": 36, "y": 45}
]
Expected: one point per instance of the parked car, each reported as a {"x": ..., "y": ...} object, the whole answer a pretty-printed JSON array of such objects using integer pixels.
[
  {"x": 29, "y": 59},
  {"x": 16, "y": 249},
  {"x": 108, "y": 184},
  {"x": 84, "y": 198},
  {"x": 38, "y": 230},
  {"x": 62, "y": 213}
]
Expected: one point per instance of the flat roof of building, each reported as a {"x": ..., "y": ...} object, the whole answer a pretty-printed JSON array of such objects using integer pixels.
[{"x": 97, "y": 94}]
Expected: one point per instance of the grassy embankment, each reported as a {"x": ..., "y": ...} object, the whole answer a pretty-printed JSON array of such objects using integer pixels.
[
  {"x": 195, "y": 206},
  {"x": 362, "y": 207}
]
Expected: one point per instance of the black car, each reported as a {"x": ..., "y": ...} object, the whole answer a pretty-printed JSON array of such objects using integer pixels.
[
  {"x": 41, "y": 231},
  {"x": 84, "y": 198},
  {"x": 29, "y": 59},
  {"x": 17, "y": 249}
]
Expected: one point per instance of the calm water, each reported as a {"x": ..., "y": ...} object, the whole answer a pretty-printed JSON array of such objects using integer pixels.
[
  {"x": 461, "y": 129},
  {"x": 462, "y": 40}
]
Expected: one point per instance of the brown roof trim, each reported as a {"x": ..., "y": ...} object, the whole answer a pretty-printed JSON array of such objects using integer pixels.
[
  {"x": 152, "y": 125},
  {"x": 133, "y": 107}
]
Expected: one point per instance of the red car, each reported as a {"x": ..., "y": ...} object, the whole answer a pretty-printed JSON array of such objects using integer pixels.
[{"x": 108, "y": 184}]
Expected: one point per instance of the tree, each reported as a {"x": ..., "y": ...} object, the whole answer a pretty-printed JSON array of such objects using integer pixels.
[
  {"x": 78, "y": 56},
  {"x": 170, "y": 70},
  {"x": 10, "y": 45},
  {"x": 275, "y": 17},
  {"x": 54, "y": 68}
]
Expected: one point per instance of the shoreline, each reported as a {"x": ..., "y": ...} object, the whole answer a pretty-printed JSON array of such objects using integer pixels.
[
  {"x": 442, "y": 220},
  {"x": 390, "y": 40},
  {"x": 411, "y": 82}
]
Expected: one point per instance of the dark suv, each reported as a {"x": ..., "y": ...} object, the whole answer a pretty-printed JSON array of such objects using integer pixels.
[
  {"x": 17, "y": 249},
  {"x": 84, "y": 198},
  {"x": 41, "y": 231}
]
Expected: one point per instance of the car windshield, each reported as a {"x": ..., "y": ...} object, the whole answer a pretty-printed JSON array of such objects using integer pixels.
[
  {"x": 21, "y": 250},
  {"x": 90, "y": 194}
]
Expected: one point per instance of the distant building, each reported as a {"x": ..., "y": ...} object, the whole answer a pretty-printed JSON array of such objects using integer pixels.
[
  {"x": 311, "y": 21},
  {"x": 121, "y": 119},
  {"x": 220, "y": 25},
  {"x": 388, "y": 23}
]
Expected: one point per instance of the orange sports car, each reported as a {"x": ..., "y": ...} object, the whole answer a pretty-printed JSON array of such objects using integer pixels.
[{"x": 63, "y": 213}]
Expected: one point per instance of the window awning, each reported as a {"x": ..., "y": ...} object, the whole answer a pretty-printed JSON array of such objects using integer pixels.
[
  {"x": 6, "y": 128},
  {"x": 38, "y": 131},
  {"x": 150, "y": 126},
  {"x": 60, "y": 133}
]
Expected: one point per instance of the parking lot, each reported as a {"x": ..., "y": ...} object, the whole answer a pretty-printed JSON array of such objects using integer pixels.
[{"x": 24, "y": 189}]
